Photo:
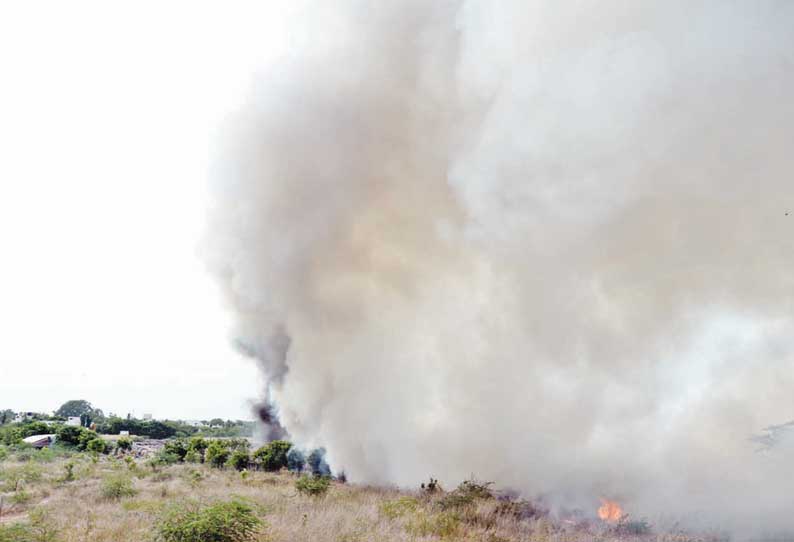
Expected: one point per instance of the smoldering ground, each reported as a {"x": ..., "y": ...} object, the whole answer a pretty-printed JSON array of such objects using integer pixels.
[{"x": 542, "y": 242}]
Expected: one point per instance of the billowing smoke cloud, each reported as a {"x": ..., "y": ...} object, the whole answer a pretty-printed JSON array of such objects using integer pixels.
[{"x": 543, "y": 242}]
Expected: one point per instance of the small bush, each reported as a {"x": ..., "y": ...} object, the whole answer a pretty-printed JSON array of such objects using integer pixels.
[
  {"x": 97, "y": 446},
  {"x": 217, "y": 454},
  {"x": 68, "y": 474},
  {"x": 239, "y": 460},
  {"x": 232, "y": 521},
  {"x": 124, "y": 444},
  {"x": 3, "y": 452},
  {"x": 164, "y": 458},
  {"x": 116, "y": 487},
  {"x": 192, "y": 456},
  {"x": 468, "y": 492},
  {"x": 176, "y": 448},
  {"x": 314, "y": 486},
  {"x": 195, "y": 450}
]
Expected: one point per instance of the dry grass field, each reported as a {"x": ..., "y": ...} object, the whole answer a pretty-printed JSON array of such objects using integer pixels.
[{"x": 107, "y": 499}]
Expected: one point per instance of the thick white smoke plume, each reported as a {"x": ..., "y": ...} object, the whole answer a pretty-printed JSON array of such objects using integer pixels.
[{"x": 543, "y": 242}]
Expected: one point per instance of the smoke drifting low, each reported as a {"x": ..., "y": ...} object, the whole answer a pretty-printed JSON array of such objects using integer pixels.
[{"x": 543, "y": 242}]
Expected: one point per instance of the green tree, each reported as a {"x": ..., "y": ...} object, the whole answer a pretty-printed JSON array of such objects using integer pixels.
[
  {"x": 7, "y": 416},
  {"x": 217, "y": 454},
  {"x": 273, "y": 456},
  {"x": 77, "y": 408},
  {"x": 239, "y": 460}
]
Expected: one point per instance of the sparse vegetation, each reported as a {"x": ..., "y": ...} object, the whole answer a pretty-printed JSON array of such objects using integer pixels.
[{"x": 67, "y": 496}]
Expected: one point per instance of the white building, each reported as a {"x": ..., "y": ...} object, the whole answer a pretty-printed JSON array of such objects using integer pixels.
[
  {"x": 74, "y": 421},
  {"x": 23, "y": 416}
]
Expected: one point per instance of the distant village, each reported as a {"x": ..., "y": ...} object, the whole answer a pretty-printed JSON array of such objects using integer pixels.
[{"x": 41, "y": 428}]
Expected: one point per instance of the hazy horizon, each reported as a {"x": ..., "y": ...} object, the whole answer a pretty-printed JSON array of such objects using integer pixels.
[{"x": 103, "y": 182}]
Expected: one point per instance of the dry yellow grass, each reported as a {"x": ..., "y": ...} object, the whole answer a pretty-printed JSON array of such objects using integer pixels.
[{"x": 77, "y": 511}]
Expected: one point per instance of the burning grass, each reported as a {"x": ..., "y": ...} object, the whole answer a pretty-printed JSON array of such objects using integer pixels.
[{"x": 111, "y": 500}]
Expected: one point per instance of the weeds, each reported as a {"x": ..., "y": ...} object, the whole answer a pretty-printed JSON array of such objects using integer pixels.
[
  {"x": 398, "y": 507},
  {"x": 443, "y": 525},
  {"x": 68, "y": 474}
]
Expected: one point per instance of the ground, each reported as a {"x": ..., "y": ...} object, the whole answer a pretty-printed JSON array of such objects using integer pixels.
[{"x": 75, "y": 508}]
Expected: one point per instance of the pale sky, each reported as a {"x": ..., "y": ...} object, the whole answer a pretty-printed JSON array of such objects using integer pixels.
[{"x": 107, "y": 112}]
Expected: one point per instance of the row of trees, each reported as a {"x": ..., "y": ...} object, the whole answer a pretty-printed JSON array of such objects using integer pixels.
[
  {"x": 113, "y": 424},
  {"x": 236, "y": 454}
]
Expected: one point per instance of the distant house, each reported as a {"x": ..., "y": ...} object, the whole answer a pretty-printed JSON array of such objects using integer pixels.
[
  {"x": 195, "y": 423},
  {"x": 74, "y": 421},
  {"x": 23, "y": 416},
  {"x": 39, "y": 441},
  {"x": 147, "y": 417},
  {"x": 124, "y": 433}
]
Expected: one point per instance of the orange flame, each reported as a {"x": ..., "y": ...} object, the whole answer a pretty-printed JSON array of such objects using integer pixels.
[{"x": 610, "y": 511}]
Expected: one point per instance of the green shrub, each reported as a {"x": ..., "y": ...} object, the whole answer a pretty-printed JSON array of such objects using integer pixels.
[
  {"x": 239, "y": 460},
  {"x": 232, "y": 521},
  {"x": 97, "y": 446},
  {"x": 217, "y": 454},
  {"x": 273, "y": 456},
  {"x": 68, "y": 474},
  {"x": 465, "y": 494},
  {"x": 196, "y": 446},
  {"x": 116, "y": 487},
  {"x": 71, "y": 435},
  {"x": 3, "y": 452},
  {"x": 177, "y": 448},
  {"x": 35, "y": 428},
  {"x": 192, "y": 456},
  {"x": 314, "y": 486},
  {"x": 164, "y": 457},
  {"x": 124, "y": 443}
]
